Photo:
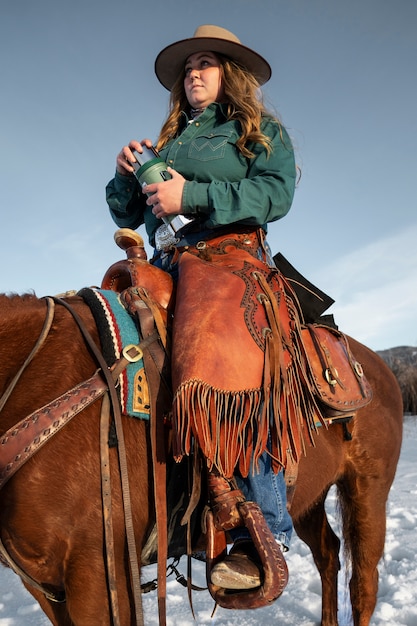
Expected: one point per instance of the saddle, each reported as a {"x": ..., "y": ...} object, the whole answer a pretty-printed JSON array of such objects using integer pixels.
[{"x": 241, "y": 349}]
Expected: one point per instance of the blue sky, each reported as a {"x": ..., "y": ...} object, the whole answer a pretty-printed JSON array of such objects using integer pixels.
[{"x": 77, "y": 83}]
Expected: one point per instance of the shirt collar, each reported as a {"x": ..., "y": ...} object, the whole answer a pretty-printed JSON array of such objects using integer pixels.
[{"x": 215, "y": 109}]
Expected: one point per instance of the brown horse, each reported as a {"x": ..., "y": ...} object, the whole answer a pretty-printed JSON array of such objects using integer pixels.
[{"x": 51, "y": 518}]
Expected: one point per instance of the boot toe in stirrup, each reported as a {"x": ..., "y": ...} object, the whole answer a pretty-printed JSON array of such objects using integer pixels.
[
  {"x": 239, "y": 569},
  {"x": 236, "y": 572}
]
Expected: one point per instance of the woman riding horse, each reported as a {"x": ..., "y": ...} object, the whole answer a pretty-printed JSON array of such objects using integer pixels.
[{"x": 232, "y": 171}]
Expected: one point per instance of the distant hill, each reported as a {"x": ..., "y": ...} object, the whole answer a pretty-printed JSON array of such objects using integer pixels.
[
  {"x": 403, "y": 362},
  {"x": 402, "y": 354}
]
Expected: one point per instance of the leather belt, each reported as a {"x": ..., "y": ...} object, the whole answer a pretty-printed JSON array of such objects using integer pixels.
[{"x": 249, "y": 240}]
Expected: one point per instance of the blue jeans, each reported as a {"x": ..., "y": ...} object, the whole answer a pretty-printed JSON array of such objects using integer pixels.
[{"x": 269, "y": 491}]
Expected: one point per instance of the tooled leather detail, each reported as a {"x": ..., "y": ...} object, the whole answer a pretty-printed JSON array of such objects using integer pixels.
[
  {"x": 21, "y": 441},
  {"x": 252, "y": 301},
  {"x": 242, "y": 242},
  {"x": 224, "y": 244}
]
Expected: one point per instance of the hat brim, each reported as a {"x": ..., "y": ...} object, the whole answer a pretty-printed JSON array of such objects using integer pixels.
[{"x": 171, "y": 60}]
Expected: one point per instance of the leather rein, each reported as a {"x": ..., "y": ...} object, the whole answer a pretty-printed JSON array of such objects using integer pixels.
[{"x": 21, "y": 441}]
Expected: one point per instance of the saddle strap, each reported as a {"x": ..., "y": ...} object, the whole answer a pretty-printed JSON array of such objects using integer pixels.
[
  {"x": 138, "y": 303},
  {"x": 21, "y": 441},
  {"x": 107, "y": 509},
  {"x": 291, "y": 475}
]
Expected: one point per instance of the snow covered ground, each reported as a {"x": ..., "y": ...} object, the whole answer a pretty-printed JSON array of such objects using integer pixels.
[{"x": 301, "y": 601}]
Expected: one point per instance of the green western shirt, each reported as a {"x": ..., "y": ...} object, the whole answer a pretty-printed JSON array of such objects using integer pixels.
[{"x": 223, "y": 187}]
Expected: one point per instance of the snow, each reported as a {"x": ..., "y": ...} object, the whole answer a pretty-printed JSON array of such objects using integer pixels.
[{"x": 300, "y": 603}]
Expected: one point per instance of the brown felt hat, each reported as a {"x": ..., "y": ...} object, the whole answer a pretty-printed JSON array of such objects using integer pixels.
[{"x": 171, "y": 60}]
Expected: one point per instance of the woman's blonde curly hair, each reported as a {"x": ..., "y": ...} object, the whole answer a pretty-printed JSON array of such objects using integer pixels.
[{"x": 244, "y": 103}]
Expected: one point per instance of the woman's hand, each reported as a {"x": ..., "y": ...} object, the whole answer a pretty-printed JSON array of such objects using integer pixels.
[
  {"x": 125, "y": 156},
  {"x": 166, "y": 196}
]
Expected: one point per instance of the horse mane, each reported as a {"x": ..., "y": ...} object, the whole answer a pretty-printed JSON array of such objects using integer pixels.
[{"x": 11, "y": 299}]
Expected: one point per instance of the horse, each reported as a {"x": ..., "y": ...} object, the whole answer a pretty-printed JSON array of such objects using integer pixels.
[{"x": 51, "y": 518}]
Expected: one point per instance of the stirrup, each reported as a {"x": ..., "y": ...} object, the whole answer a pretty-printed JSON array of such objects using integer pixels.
[{"x": 274, "y": 567}]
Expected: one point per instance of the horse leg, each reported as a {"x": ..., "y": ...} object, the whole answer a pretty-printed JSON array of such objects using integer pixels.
[
  {"x": 86, "y": 603},
  {"x": 314, "y": 529},
  {"x": 364, "y": 500},
  {"x": 86, "y": 596},
  {"x": 87, "y": 592}
]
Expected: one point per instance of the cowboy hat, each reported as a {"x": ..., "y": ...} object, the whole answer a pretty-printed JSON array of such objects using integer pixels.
[{"x": 171, "y": 60}]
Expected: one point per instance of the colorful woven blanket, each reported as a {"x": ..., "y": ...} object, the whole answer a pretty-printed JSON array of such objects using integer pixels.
[{"x": 117, "y": 329}]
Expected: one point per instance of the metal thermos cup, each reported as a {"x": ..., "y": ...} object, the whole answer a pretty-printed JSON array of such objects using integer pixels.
[{"x": 149, "y": 167}]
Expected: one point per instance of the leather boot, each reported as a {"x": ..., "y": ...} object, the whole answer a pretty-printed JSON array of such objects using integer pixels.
[{"x": 240, "y": 569}]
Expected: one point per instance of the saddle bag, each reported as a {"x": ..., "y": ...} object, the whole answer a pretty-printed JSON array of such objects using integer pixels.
[{"x": 334, "y": 375}]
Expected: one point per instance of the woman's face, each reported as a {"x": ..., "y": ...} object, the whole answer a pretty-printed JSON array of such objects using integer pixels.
[{"x": 202, "y": 82}]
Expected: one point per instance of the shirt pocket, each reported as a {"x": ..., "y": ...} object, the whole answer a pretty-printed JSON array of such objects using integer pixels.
[{"x": 210, "y": 146}]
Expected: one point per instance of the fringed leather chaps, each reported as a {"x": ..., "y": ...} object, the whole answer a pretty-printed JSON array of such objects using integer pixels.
[{"x": 238, "y": 369}]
